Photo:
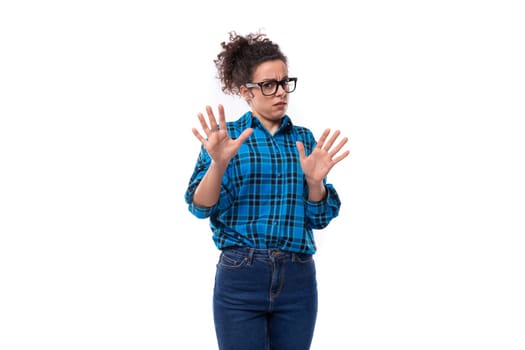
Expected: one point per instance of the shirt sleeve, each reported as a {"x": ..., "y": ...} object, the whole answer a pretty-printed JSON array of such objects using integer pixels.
[
  {"x": 203, "y": 162},
  {"x": 225, "y": 197},
  {"x": 319, "y": 214}
]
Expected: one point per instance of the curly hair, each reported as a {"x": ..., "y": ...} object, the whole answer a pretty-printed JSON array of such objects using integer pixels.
[{"x": 240, "y": 57}]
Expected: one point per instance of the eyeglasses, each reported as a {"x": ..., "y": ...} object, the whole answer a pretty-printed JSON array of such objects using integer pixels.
[{"x": 270, "y": 87}]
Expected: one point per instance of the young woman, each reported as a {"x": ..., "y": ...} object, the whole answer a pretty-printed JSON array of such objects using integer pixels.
[{"x": 261, "y": 181}]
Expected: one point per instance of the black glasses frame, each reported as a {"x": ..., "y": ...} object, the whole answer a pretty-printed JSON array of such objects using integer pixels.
[{"x": 283, "y": 83}]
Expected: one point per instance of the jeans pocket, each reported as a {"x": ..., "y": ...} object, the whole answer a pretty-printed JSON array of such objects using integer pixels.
[
  {"x": 231, "y": 261},
  {"x": 303, "y": 258}
]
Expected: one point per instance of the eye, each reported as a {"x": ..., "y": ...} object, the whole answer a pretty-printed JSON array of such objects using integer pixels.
[{"x": 269, "y": 84}]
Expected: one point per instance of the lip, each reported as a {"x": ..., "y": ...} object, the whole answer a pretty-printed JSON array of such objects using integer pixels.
[{"x": 280, "y": 103}]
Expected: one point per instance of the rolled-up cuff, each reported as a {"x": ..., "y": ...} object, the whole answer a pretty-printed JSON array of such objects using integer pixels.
[{"x": 200, "y": 212}]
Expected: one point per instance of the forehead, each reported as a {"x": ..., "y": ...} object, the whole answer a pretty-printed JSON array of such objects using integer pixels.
[{"x": 275, "y": 69}]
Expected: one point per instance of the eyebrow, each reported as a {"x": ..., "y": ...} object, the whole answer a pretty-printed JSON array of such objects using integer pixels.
[{"x": 272, "y": 79}]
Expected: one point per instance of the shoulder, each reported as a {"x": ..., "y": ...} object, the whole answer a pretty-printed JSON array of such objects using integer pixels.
[
  {"x": 301, "y": 133},
  {"x": 235, "y": 128},
  {"x": 304, "y": 134},
  {"x": 301, "y": 130}
]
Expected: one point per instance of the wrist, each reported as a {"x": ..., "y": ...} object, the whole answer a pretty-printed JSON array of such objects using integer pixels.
[
  {"x": 316, "y": 191},
  {"x": 219, "y": 166}
]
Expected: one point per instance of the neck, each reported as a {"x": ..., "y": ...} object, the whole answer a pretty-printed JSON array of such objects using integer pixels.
[{"x": 271, "y": 125}]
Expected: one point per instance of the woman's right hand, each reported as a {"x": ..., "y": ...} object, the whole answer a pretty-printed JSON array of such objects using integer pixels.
[{"x": 217, "y": 142}]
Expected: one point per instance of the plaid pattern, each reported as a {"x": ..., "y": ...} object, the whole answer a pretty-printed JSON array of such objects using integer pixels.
[{"x": 264, "y": 197}]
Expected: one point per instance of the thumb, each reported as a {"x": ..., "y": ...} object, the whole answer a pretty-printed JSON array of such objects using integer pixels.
[
  {"x": 300, "y": 148},
  {"x": 244, "y": 135}
]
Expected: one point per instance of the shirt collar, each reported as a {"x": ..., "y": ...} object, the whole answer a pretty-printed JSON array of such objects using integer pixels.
[{"x": 250, "y": 121}]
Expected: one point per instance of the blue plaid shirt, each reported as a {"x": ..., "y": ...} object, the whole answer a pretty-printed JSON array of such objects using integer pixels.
[{"x": 263, "y": 201}]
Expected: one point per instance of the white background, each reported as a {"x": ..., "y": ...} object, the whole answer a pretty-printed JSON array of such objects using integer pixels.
[{"x": 97, "y": 102}]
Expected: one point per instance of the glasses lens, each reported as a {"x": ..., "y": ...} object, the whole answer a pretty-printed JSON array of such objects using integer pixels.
[
  {"x": 269, "y": 87},
  {"x": 289, "y": 85}
]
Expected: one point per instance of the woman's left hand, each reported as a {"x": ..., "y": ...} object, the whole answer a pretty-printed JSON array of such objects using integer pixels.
[{"x": 324, "y": 156}]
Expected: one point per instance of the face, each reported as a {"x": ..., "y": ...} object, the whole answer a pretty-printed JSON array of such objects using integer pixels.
[{"x": 268, "y": 109}]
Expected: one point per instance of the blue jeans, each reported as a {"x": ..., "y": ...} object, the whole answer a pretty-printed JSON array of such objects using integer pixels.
[{"x": 264, "y": 299}]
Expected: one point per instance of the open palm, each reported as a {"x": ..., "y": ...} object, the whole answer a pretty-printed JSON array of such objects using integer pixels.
[
  {"x": 318, "y": 164},
  {"x": 217, "y": 142}
]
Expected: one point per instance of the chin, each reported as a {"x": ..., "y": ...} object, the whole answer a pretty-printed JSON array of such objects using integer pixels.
[{"x": 279, "y": 112}]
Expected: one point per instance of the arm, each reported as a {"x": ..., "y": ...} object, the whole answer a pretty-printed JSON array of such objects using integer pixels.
[
  {"x": 319, "y": 162},
  {"x": 221, "y": 149},
  {"x": 208, "y": 190}
]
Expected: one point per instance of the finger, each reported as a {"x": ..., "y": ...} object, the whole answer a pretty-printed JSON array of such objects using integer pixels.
[
  {"x": 300, "y": 148},
  {"x": 332, "y": 140},
  {"x": 211, "y": 118},
  {"x": 205, "y": 127},
  {"x": 222, "y": 118},
  {"x": 338, "y": 147},
  {"x": 244, "y": 135},
  {"x": 322, "y": 139},
  {"x": 198, "y": 136},
  {"x": 340, "y": 157}
]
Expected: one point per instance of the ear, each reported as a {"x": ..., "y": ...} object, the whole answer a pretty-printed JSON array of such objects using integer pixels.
[{"x": 246, "y": 93}]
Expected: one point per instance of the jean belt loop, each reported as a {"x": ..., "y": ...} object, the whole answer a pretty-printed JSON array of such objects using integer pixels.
[
  {"x": 250, "y": 256},
  {"x": 294, "y": 257}
]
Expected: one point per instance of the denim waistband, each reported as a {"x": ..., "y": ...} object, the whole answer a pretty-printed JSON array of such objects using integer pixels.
[{"x": 257, "y": 253}]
